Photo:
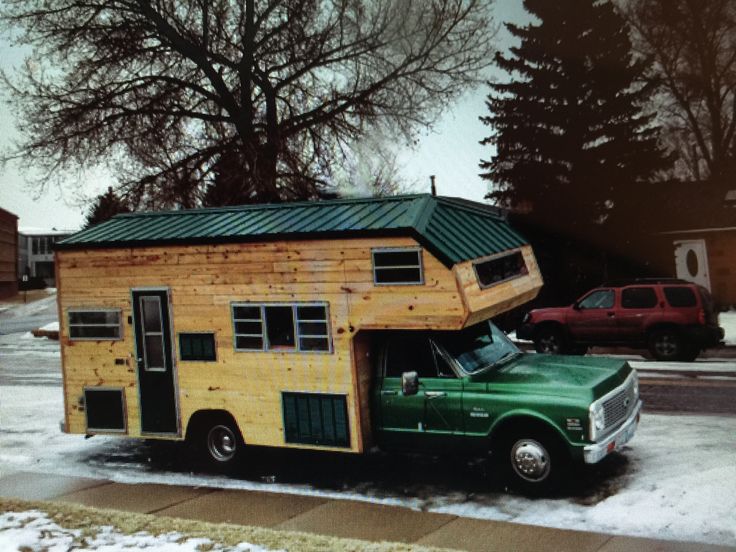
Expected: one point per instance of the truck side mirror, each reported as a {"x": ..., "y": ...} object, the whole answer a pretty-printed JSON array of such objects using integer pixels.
[{"x": 409, "y": 383}]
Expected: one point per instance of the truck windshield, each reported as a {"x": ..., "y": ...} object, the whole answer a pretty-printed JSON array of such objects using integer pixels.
[{"x": 479, "y": 347}]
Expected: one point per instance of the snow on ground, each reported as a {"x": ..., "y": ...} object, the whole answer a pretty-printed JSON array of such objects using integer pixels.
[
  {"x": 33, "y": 530},
  {"x": 52, "y": 327},
  {"x": 42, "y": 306},
  {"x": 679, "y": 482}
]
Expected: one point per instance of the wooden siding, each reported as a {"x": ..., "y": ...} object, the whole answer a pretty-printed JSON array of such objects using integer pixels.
[
  {"x": 8, "y": 253},
  {"x": 203, "y": 281},
  {"x": 483, "y": 304}
]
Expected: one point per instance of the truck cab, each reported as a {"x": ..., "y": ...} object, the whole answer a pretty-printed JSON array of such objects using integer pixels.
[{"x": 473, "y": 390}]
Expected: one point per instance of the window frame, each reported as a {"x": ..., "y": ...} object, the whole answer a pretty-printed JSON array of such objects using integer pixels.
[
  {"x": 214, "y": 347},
  {"x": 75, "y": 310},
  {"x": 497, "y": 256},
  {"x": 408, "y": 249},
  {"x": 265, "y": 345}
]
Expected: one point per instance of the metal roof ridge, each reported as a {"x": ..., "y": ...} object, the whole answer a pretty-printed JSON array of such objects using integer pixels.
[
  {"x": 481, "y": 208},
  {"x": 258, "y": 206}
]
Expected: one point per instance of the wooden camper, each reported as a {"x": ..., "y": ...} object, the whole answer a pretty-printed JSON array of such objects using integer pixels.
[{"x": 255, "y": 310}]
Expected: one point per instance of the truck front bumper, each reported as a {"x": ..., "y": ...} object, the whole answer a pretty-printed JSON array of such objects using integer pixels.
[{"x": 596, "y": 452}]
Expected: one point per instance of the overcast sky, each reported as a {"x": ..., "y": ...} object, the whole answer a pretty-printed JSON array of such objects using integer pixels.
[{"x": 451, "y": 152}]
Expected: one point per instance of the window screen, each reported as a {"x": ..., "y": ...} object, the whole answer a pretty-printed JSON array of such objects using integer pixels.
[
  {"x": 397, "y": 266},
  {"x": 500, "y": 269},
  {"x": 197, "y": 346},
  {"x": 680, "y": 296},
  {"x": 95, "y": 324},
  {"x": 638, "y": 298},
  {"x": 315, "y": 419}
]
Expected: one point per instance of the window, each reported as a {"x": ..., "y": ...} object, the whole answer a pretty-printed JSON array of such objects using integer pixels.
[
  {"x": 299, "y": 327},
  {"x": 680, "y": 296},
  {"x": 95, "y": 324},
  {"x": 599, "y": 299},
  {"x": 397, "y": 266},
  {"x": 315, "y": 419},
  {"x": 499, "y": 269},
  {"x": 638, "y": 298},
  {"x": 409, "y": 353},
  {"x": 197, "y": 346}
]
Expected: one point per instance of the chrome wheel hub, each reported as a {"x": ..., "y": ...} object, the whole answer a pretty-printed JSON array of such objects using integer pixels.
[
  {"x": 221, "y": 443},
  {"x": 530, "y": 460},
  {"x": 666, "y": 345}
]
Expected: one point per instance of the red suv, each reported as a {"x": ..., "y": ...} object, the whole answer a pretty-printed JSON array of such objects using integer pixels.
[{"x": 674, "y": 319}]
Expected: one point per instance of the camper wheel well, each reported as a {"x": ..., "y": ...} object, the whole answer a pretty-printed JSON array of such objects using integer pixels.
[{"x": 201, "y": 419}]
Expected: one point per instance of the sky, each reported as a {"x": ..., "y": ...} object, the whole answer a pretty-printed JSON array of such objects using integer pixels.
[{"x": 451, "y": 152}]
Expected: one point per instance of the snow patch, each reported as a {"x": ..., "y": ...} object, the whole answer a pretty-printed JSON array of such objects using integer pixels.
[
  {"x": 52, "y": 327},
  {"x": 727, "y": 321},
  {"x": 33, "y": 530}
]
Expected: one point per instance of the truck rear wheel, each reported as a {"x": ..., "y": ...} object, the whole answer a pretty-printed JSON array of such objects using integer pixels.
[
  {"x": 550, "y": 340},
  {"x": 218, "y": 444},
  {"x": 667, "y": 345}
]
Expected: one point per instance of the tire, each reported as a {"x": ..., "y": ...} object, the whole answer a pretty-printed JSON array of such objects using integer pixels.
[
  {"x": 550, "y": 340},
  {"x": 690, "y": 353},
  {"x": 667, "y": 345},
  {"x": 533, "y": 461},
  {"x": 218, "y": 445}
]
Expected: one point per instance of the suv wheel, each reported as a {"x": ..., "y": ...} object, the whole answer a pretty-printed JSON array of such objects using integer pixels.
[
  {"x": 666, "y": 345},
  {"x": 549, "y": 340}
]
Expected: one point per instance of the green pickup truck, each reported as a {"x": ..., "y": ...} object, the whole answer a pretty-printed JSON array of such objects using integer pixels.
[{"x": 475, "y": 391}]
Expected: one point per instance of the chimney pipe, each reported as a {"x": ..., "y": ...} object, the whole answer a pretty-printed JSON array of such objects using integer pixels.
[{"x": 433, "y": 187}]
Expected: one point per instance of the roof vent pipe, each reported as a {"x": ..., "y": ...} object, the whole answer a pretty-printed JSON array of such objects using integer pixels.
[{"x": 433, "y": 187}]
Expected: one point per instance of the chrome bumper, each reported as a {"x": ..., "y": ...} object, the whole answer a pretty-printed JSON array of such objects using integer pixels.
[{"x": 596, "y": 452}]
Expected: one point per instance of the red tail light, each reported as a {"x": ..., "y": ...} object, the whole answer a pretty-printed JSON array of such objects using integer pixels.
[{"x": 701, "y": 316}]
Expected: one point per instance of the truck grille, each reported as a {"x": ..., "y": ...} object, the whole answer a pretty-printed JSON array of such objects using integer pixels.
[{"x": 619, "y": 406}]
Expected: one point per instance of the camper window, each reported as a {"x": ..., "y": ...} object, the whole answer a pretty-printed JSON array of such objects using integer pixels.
[
  {"x": 281, "y": 327},
  {"x": 402, "y": 266},
  {"x": 95, "y": 324}
]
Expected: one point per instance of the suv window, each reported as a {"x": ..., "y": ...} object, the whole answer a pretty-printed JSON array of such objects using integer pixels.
[
  {"x": 680, "y": 296},
  {"x": 638, "y": 298},
  {"x": 599, "y": 299}
]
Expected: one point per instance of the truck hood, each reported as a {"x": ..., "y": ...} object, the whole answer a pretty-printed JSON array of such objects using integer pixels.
[{"x": 571, "y": 376}]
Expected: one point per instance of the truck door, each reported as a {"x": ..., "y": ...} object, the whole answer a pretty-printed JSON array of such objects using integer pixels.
[{"x": 425, "y": 419}]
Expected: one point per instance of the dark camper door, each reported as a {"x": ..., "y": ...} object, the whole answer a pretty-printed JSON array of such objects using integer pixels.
[{"x": 156, "y": 386}]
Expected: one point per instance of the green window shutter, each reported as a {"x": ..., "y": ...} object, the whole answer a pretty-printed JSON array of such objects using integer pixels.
[
  {"x": 197, "y": 346},
  {"x": 316, "y": 419}
]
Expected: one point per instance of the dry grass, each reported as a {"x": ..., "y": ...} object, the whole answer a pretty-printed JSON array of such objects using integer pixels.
[{"x": 73, "y": 516}]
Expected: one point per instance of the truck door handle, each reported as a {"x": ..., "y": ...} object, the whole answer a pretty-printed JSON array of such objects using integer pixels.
[
  {"x": 389, "y": 392},
  {"x": 434, "y": 394}
]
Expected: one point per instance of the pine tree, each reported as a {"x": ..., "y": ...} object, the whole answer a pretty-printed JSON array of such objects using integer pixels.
[
  {"x": 573, "y": 145},
  {"x": 106, "y": 206}
]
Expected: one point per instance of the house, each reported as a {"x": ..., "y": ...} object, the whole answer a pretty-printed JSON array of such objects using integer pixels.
[
  {"x": 701, "y": 242},
  {"x": 8, "y": 253},
  {"x": 36, "y": 252},
  {"x": 265, "y": 312}
]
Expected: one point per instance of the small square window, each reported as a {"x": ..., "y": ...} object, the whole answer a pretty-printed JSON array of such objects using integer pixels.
[
  {"x": 197, "y": 346},
  {"x": 397, "y": 266}
]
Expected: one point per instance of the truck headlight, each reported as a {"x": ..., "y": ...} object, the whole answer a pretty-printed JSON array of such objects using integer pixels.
[{"x": 597, "y": 419}]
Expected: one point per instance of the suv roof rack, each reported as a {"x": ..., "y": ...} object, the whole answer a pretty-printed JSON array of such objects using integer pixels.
[{"x": 632, "y": 281}]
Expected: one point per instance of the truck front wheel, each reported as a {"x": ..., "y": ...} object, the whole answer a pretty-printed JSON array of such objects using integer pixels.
[{"x": 533, "y": 462}]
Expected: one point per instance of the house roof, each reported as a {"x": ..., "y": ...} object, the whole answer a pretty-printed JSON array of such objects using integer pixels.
[{"x": 453, "y": 229}]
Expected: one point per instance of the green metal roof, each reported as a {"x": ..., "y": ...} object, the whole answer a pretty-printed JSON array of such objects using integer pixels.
[{"x": 453, "y": 229}]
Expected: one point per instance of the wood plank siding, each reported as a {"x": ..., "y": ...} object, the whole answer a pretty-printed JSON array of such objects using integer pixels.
[{"x": 204, "y": 280}]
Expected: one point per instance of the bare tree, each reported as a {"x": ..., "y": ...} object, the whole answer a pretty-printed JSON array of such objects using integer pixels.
[
  {"x": 275, "y": 90},
  {"x": 693, "y": 46}
]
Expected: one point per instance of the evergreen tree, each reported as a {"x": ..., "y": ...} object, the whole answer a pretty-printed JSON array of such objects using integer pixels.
[
  {"x": 573, "y": 146},
  {"x": 105, "y": 207}
]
